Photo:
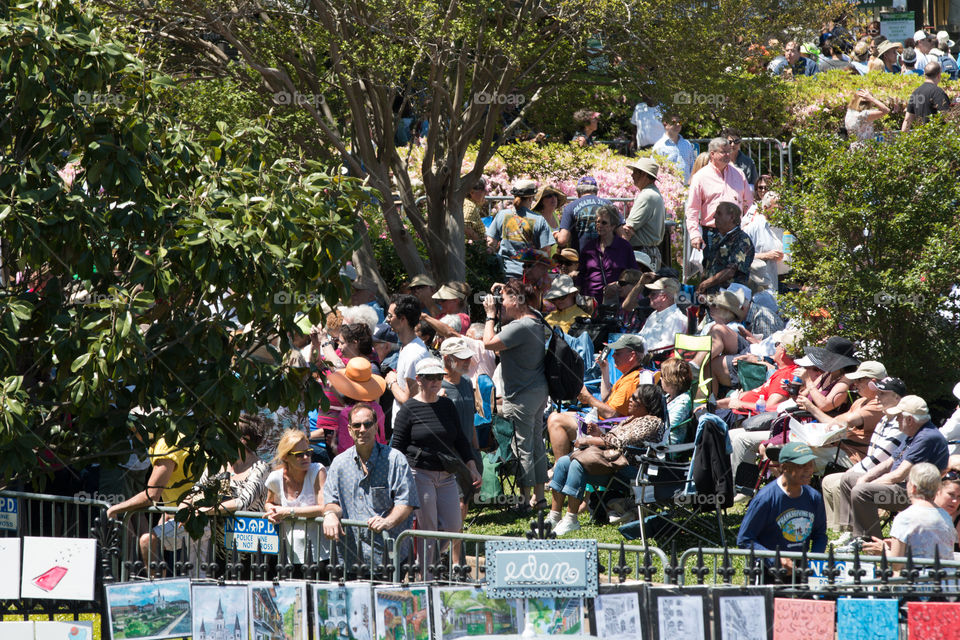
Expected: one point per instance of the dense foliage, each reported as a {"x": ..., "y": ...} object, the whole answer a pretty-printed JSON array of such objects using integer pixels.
[
  {"x": 878, "y": 248},
  {"x": 141, "y": 265}
]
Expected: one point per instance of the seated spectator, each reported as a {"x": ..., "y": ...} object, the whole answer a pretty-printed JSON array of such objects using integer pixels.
[
  {"x": 923, "y": 527},
  {"x": 603, "y": 259},
  {"x": 666, "y": 320},
  {"x": 627, "y": 299},
  {"x": 760, "y": 314},
  {"x": 607, "y": 456},
  {"x": 823, "y": 375},
  {"x": 169, "y": 480},
  {"x": 519, "y": 228},
  {"x": 295, "y": 489},
  {"x": 886, "y": 439},
  {"x": 371, "y": 482},
  {"x": 884, "y": 485},
  {"x": 951, "y": 428},
  {"x": 562, "y": 294},
  {"x": 727, "y": 260},
  {"x": 860, "y": 419},
  {"x": 787, "y": 514},
  {"x": 727, "y": 341},
  {"x": 675, "y": 380},
  {"x": 628, "y": 352},
  {"x": 474, "y": 210}
]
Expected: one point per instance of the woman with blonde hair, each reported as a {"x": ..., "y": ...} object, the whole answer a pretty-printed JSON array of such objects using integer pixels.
[
  {"x": 295, "y": 490},
  {"x": 702, "y": 160},
  {"x": 860, "y": 116}
]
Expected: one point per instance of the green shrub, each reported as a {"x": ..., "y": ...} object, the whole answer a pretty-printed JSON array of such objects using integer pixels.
[{"x": 878, "y": 247}]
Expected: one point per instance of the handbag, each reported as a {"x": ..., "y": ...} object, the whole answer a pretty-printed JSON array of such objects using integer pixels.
[{"x": 597, "y": 461}]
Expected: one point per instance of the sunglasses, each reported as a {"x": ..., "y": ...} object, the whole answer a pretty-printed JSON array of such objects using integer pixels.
[
  {"x": 873, "y": 32},
  {"x": 369, "y": 424},
  {"x": 602, "y": 222},
  {"x": 734, "y": 140},
  {"x": 626, "y": 283},
  {"x": 300, "y": 454},
  {"x": 952, "y": 476},
  {"x": 432, "y": 377}
]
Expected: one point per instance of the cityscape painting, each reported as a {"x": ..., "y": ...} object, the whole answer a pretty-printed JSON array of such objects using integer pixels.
[
  {"x": 145, "y": 610},
  {"x": 278, "y": 611}
]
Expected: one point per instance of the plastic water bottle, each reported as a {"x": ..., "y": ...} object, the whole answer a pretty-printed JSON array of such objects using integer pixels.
[
  {"x": 592, "y": 417},
  {"x": 788, "y": 240},
  {"x": 761, "y": 406}
]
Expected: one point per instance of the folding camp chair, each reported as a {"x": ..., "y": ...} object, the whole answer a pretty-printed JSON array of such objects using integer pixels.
[
  {"x": 689, "y": 347},
  {"x": 667, "y": 493}
]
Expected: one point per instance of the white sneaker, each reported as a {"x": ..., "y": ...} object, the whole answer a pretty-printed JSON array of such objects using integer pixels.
[
  {"x": 567, "y": 524},
  {"x": 623, "y": 518},
  {"x": 843, "y": 540},
  {"x": 553, "y": 518},
  {"x": 741, "y": 497}
]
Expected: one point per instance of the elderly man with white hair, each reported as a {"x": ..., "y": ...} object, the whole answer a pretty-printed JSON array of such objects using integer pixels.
[
  {"x": 661, "y": 327},
  {"x": 719, "y": 181},
  {"x": 885, "y": 484}
]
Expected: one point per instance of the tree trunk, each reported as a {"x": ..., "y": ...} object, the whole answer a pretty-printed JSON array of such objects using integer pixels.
[
  {"x": 366, "y": 261},
  {"x": 445, "y": 239}
]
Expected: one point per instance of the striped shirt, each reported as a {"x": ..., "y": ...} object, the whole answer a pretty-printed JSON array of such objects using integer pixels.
[{"x": 886, "y": 439}]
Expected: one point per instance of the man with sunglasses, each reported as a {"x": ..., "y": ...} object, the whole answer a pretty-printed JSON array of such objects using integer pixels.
[
  {"x": 371, "y": 482},
  {"x": 739, "y": 159}
]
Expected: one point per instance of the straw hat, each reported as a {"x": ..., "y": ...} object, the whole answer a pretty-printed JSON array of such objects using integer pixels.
[
  {"x": 547, "y": 190},
  {"x": 357, "y": 381}
]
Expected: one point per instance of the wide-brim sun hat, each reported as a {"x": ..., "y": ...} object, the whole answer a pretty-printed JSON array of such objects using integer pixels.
[
  {"x": 546, "y": 190},
  {"x": 837, "y": 353},
  {"x": 357, "y": 381},
  {"x": 561, "y": 286}
]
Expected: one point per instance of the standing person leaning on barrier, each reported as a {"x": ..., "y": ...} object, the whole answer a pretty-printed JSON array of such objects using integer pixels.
[
  {"x": 427, "y": 430},
  {"x": 371, "y": 482},
  {"x": 295, "y": 490},
  {"x": 522, "y": 347}
]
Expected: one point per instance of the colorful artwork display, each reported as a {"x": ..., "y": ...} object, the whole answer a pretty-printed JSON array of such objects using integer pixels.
[
  {"x": 865, "y": 619},
  {"x": 10, "y": 561},
  {"x": 220, "y": 612},
  {"x": 278, "y": 611},
  {"x": 467, "y": 611},
  {"x": 402, "y": 614},
  {"x": 554, "y": 616},
  {"x": 803, "y": 619},
  {"x": 933, "y": 620},
  {"x": 148, "y": 610},
  {"x": 58, "y": 568},
  {"x": 74, "y": 630},
  {"x": 343, "y": 612}
]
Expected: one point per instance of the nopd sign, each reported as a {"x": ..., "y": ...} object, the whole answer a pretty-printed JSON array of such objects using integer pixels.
[
  {"x": 541, "y": 568},
  {"x": 246, "y": 533}
]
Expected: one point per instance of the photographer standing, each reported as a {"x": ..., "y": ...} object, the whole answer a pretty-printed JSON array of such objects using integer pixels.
[{"x": 522, "y": 346}]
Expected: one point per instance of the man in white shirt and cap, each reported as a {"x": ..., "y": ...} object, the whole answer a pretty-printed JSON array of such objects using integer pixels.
[
  {"x": 924, "y": 43},
  {"x": 667, "y": 320}
]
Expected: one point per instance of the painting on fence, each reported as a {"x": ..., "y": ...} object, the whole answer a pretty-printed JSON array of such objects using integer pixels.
[
  {"x": 58, "y": 568},
  {"x": 795, "y": 619},
  {"x": 859, "y": 618},
  {"x": 278, "y": 610},
  {"x": 618, "y": 616},
  {"x": 10, "y": 561},
  {"x": 148, "y": 610},
  {"x": 467, "y": 611},
  {"x": 402, "y": 614},
  {"x": 554, "y": 616},
  {"x": 220, "y": 613}
]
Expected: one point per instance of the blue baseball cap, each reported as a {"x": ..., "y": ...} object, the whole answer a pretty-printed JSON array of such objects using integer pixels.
[{"x": 383, "y": 333}]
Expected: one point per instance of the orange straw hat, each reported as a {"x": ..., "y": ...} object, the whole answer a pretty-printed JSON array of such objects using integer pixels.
[{"x": 357, "y": 381}]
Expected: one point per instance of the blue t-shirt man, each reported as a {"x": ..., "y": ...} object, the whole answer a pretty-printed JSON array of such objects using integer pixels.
[
  {"x": 580, "y": 218},
  {"x": 777, "y": 519},
  {"x": 926, "y": 445}
]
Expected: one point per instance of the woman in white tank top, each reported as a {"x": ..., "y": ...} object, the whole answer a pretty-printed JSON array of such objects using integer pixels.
[{"x": 294, "y": 492}]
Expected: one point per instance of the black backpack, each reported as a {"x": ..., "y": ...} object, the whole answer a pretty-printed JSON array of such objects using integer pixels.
[{"x": 563, "y": 367}]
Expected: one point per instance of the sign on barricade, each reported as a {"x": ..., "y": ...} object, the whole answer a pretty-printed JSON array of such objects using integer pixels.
[
  {"x": 9, "y": 510},
  {"x": 819, "y": 567},
  {"x": 542, "y": 568},
  {"x": 246, "y": 532}
]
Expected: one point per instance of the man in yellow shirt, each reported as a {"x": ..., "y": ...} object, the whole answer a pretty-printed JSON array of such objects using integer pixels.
[
  {"x": 628, "y": 352},
  {"x": 169, "y": 481}
]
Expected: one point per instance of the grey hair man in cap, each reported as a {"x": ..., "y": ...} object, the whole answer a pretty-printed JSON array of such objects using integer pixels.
[
  {"x": 628, "y": 352},
  {"x": 885, "y": 484},
  {"x": 644, "y": 225},
  {"x": 666, "y": 321}
]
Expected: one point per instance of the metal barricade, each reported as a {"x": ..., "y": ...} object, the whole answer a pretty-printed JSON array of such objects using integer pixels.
[
  {"x": 165, "y": 549},
  {"x": 618, "y": 562},
  {"x": 767, "y": 153},
  {"x": 36, "y": 514}
]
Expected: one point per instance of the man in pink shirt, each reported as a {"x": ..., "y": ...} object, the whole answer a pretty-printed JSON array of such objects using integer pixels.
[{"x": 719, "y": 181}]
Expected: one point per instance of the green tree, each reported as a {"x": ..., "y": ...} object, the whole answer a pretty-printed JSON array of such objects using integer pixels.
[
  {"x": 878, "y": 246},
  {"x": 142, "y": 267}
]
